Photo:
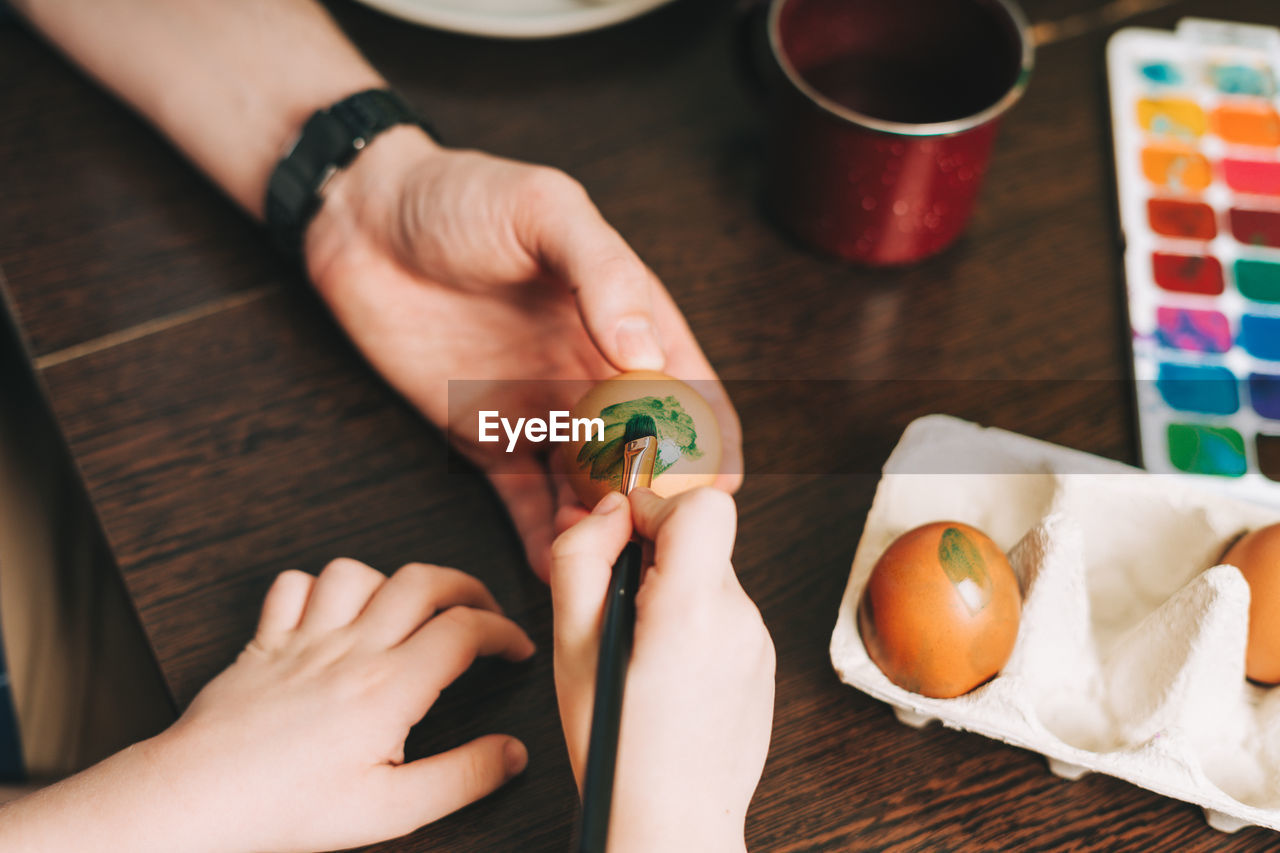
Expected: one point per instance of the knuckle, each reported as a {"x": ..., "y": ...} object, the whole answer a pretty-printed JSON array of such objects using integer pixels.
[
  {"x": 566, "y": 547},
  {"x": 290, "y": 579},
  {"x": 545, "y": 185},
  {"x": 712, "y": 505},
  {"x": 624, "y": 275},
  {"x": 418, "y": 574},
  {"x": 458, "y": 578},
  {"x": 443, "y": 582},
  {"x": 475, "y": 772},
  {"x": 419, "y": 569},
  {"x": 344, "y": 566},
  {"x": 457, "y": 584},
  {"x": 459, "y": 620}
]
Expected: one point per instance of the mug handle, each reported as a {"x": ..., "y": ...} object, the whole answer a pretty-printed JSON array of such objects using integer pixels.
[{"x": 751, "y": 45}]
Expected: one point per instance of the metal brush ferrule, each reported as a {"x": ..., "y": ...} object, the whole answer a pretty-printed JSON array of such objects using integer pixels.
[{"x": 638, "y": 458}]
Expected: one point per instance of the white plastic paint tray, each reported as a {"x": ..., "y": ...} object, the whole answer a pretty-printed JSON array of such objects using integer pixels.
[{"x": 1130, "y": 655}]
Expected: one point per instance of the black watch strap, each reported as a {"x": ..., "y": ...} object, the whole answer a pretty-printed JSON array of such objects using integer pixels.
[{"x": 329, "y": 141}]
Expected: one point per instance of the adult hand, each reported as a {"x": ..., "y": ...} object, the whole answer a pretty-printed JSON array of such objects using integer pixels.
[
  {"x": 698, "y": 706},
  {"x": 456, "y": 265}
]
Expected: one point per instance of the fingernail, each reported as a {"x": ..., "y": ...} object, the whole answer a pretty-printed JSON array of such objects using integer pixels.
[
  {"x": 609, "y": 503},
  {"x": 638, "y": 346},
  {"x": 516, "y": 756}
]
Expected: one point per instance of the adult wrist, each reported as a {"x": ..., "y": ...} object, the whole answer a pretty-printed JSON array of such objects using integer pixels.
[
  {"x": 328, "y": 143},
  {"x": 361, "y": 204}
]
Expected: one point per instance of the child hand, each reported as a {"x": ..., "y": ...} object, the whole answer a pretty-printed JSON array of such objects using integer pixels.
[
  {"x": 302, "y": 739},
  {"x": 299, "y": 745},
  {"x": 698, "y": 706}
]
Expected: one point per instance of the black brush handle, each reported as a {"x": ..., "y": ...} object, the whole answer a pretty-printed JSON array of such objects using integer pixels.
[{"x": 606, "y": 715}]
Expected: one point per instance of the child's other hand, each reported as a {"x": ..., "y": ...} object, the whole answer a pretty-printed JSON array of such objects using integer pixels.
[
  {"x": 299, "y": 745},
  {"x": 698, "y": 707}
]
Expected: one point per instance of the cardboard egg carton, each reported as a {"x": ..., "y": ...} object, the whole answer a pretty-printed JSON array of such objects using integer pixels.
[{"x": 1130, "y": 654}]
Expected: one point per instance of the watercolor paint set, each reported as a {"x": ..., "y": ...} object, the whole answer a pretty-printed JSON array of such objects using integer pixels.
[{"x": 1196, "y": 120}]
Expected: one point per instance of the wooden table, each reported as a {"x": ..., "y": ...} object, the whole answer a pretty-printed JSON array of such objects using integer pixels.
[{"x": 225, "y": 429}]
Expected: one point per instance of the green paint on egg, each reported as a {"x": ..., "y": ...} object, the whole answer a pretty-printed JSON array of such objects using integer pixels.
[
  {"x": 965, "y": 568},
  {"x": 677, "y": 437}
]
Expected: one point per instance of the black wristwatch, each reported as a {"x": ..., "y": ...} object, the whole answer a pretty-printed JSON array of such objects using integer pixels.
[{"x": 329, "y": 141}]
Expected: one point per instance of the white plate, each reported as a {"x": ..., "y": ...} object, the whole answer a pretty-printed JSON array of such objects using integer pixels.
[{"x": 517, "y": 19}]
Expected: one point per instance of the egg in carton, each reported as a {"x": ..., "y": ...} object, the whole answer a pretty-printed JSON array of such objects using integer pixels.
[{"x": 1130, "y": 654}]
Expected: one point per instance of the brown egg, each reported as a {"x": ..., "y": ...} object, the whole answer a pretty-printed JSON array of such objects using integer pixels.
[
  {"x": 940, "y": 612},
  {"x": 689, "y": 444},
  {"x": 1257, "y": 556}
]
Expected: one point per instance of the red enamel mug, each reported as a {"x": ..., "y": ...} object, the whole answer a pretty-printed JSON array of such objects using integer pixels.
[{"x": 881, "y": 117}]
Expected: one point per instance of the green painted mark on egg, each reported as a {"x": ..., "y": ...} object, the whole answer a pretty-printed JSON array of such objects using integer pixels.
[
  {"x": 677, "y": 437},
  {"x": 965, "y": 568}
]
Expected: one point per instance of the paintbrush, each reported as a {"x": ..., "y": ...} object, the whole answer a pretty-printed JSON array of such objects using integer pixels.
[{"x": 639, "y": 453}]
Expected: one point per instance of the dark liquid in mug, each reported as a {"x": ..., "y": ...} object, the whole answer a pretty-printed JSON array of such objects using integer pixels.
[{"x": 914, "y": 61}]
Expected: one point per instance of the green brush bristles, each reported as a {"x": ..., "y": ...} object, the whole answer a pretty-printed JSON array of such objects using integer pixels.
[{"x": 639, "y": 426}]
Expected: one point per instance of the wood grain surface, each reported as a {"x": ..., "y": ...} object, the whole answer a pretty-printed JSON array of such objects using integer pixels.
[{"x": 226, "y": 430}]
